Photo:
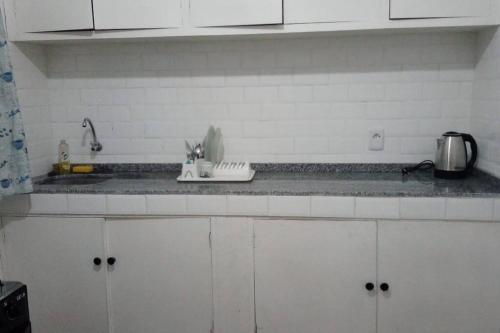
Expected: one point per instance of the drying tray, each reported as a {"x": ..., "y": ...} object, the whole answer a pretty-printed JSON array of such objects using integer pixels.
[{"x": 247, "y": 178}]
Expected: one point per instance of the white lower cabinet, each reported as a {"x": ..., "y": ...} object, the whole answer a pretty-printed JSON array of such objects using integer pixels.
[
  {"x": 444, "y": 277},
  {"x": 310, "y": 276},
  {"x": 54, "y": 257},
  {"x": 233, "y": 275},
  {"x": 161, "y": 281},
  {"x": 429, "y": 276},
  {"x": 226, "y": 275},
  {"x": 154, "y": 275}
]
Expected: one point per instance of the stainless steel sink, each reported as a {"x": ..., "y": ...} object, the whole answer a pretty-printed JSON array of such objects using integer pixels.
[{"x": 74, "y": 180}]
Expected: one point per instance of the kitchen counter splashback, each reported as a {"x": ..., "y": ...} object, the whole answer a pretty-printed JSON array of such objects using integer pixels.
[{"x": 363, "y": 180}]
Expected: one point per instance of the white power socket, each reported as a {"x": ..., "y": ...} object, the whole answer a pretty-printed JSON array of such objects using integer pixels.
[{"x": 376, "y": 140}]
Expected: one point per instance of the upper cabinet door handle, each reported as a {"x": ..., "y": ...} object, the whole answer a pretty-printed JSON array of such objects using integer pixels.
[
  {"x": 369, "y": 286},
  {"x": 111, "y": 261},
  {"x": 97, "y": 261}
]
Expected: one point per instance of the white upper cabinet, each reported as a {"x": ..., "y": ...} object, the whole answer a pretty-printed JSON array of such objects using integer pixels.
[
  {"x": 408, "y": 9},
  {"x": 212, "y": 13},
  {"x": 318, "y": 11},
  {"x": 191, "y": 18},
  {"x": 53, "y": 15},
  {"x": 132, "y": 14}
]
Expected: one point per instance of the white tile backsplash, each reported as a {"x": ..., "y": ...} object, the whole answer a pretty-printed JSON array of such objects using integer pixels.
[
  {"x": 293, "y": 100},
  {"x": 126, "y": 204},
  {"x": 289, "y": 206},
  {"x": 48, "y": 204},
  {"x": 206, "y": 204},
  {"x": 485, "y": 119},
  {"x": 373, "y": 208},
  {"x": 16, "y": 204},
  {"x": 332, "y": 207},
  {"x": 377, "y": 208},
  {"x": 146, "y": 98},
  {"x": 423, "y": 208},
  {"x": 30, "y": 72},
  {"x": 497, "y": 210},
  {"x": 87, "y": 203},
  {"x": 470, "y": 209},
  {"x": 247, "y": 205},
  {"x": 166, "y": 204}
]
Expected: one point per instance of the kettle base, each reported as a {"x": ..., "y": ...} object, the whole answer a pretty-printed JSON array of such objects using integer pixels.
[{"x": 449, "y": 174}]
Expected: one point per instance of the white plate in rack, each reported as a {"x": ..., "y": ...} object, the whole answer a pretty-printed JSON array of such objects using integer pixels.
[{"x": 247, "y": 178}]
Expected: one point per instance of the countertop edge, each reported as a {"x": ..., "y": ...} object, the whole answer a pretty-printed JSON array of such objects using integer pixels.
[{"x": 267, "y": 206}]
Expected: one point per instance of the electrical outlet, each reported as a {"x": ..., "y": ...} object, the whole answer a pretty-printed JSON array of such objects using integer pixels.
[{"x": 376, "y": 140}]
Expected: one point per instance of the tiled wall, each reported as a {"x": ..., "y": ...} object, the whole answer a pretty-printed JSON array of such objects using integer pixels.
[
  {"x": 486, "y": 101},
  {"x": 30, "y": 72},
  {"x": 294, "y": 100},
  {"x": 453, "y": 209}
]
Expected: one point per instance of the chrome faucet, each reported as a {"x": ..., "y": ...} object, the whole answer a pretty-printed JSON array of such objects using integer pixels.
[{"x": 94, "y": 145}]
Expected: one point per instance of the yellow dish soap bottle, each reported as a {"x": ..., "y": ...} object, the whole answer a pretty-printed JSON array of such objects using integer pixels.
[{"x": 64, "y": 160}]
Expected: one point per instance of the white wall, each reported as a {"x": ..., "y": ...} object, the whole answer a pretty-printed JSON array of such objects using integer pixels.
[
  {"x": 486, "y": 101},
  {"x": 30, "y": 72},
  {"x": 277, "y": 100}
]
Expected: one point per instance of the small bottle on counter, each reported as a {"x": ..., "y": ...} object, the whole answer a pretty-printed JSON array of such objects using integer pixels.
[{"x": 64, "y": 160}]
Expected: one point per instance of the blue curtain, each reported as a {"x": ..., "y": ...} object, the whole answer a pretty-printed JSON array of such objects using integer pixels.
[{"x": 14, "y": 165}]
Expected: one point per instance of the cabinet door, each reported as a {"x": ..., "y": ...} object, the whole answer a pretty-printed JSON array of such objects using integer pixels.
[
  {"x": 317, "y": 11},
  {"x": 310, "y": 276},
  {"x": 131, "y": 14},
  {"x": 161, "y": 281},
  {"x": 212, "y": 13},
  {"x": 54, "y": 257},
  {"x": 407, "y": 9},
  {"x": 233, "y": 280},
  {"x": 443, "y": 277},
  {"x": 53, "y": 15}
]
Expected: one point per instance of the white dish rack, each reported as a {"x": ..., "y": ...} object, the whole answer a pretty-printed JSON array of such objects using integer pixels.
[{"x": 222, "y": 172}]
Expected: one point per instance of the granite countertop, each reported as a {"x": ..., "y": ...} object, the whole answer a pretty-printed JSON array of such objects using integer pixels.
[{"x": 366, "y": 180}]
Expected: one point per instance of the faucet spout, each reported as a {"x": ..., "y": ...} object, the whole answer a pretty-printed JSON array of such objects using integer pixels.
[{"x": 95, "y": 145}]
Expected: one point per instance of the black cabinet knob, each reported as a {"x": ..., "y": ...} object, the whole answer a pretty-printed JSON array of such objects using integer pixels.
[
  {"x": 97, "y": 261},
  {"x": 384, "y": 286},
  {"x": 111, "y": 261},
  {"x": 369, "y": 286}
]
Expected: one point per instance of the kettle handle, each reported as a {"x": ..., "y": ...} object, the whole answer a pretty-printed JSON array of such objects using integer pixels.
[{"x": 473, "y": 145}]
